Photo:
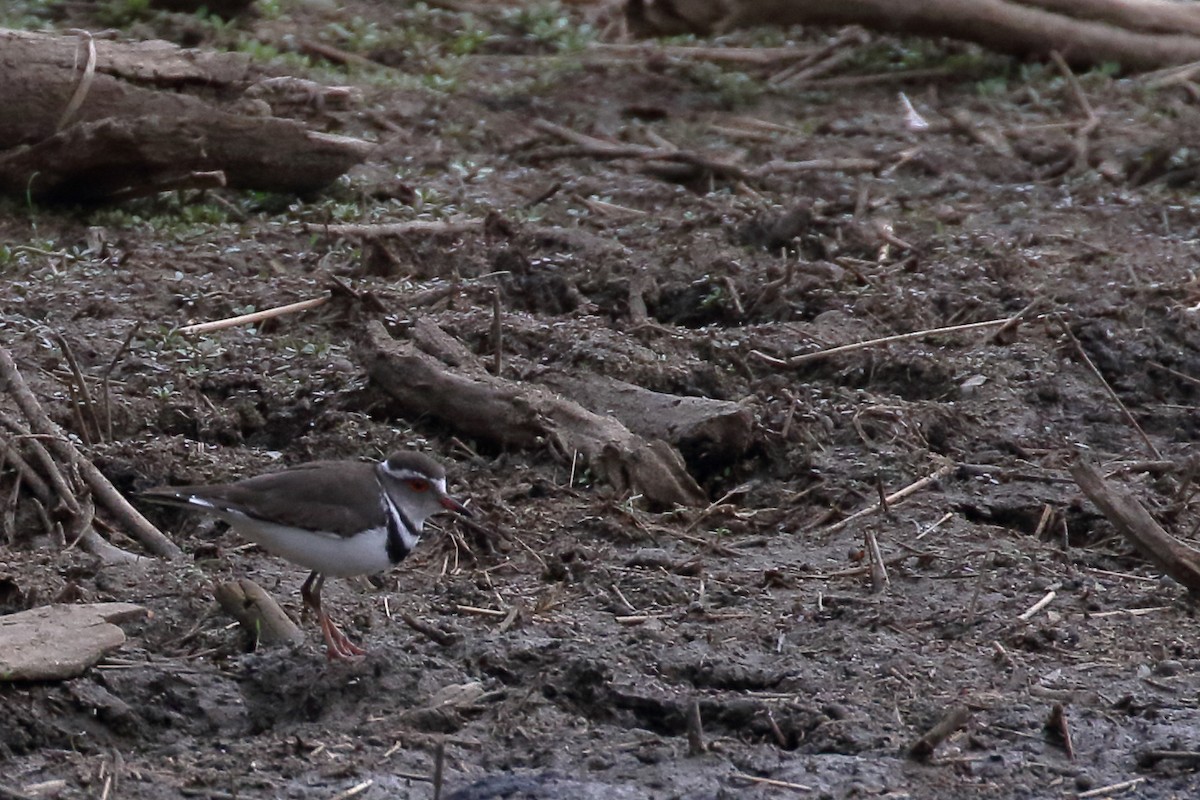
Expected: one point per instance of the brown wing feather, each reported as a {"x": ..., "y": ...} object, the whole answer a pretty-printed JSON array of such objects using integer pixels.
[{"x": 337, "y": 496}]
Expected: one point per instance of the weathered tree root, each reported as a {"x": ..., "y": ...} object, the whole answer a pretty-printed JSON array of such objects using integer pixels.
[{"x": 510, "y": 413}]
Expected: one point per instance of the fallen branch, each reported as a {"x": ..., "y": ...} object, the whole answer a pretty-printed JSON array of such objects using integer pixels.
[
  {"x": 131, "y": 128},
  {"x": 259, "y": 615},
  {"x": 1138, "y": 34},
  {"x": 510, "y": 413},
  {"x": 41, "y": 424},
  {"x": 1132, "y": 520}
]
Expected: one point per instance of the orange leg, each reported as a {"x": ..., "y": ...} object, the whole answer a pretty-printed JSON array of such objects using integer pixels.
[{"x": 337, "y": 644}]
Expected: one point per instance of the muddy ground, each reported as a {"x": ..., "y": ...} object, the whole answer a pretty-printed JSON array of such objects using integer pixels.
[{"x": 603, "y": 619}]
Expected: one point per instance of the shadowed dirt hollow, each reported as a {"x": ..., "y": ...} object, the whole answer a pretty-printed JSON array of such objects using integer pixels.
[{"x": 579, "y": 630}]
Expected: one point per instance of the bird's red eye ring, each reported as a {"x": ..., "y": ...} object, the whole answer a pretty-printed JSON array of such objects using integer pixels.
[{"x": 418, "y": 484}]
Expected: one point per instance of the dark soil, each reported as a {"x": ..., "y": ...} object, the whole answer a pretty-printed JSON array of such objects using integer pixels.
[{"x": 609, "y": 619}]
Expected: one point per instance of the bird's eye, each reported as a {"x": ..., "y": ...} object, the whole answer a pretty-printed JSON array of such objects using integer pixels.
[{"x": 418, "y": 485}]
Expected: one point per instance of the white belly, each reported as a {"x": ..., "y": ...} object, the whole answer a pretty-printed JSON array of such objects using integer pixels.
[{"x": 321, "y": 551}]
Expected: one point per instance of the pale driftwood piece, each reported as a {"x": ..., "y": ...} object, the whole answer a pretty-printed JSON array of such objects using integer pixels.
[
  {"x": 257, "y": 316},
  {"x": 1135, "y": 523},
  {"x": 61, "y": 641},
  {"x": 1006, "y": 27},
  {"x": 139, "y": 527},
  {"x": 511, "y": 413},
  {"x": 257, "y": 612},
  {"x": 954, "y": 719},
  {"x": 134, "y": 130},
  {"x": 700, "y": 426}
]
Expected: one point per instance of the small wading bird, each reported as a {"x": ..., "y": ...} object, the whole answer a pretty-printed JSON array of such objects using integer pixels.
[{"x": 338, "y": 518}]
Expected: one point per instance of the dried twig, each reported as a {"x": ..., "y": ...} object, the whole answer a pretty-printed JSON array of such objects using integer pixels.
[
  {"x": 497, "y": 333},
  {"x": 895, "y": 497},
  {"x": 799, "y": 787},
  {"x": 104, "y": 385},
  {"x": 1058, "y": 726},
  {"x": 1045, "y": 600},
  {"x": 425, "y": 629},
  {"x": 140, "y": 527},
  {"x": 695, "y": 730},
  {"x": 807, "y": 358},
  {"x": 366, "y": 231},
  {"x": 879, "y": 576},
  {"x": 1091, "y": 121},
  {"x": 1083, "y": 356},
  {"x": 1101, "y": 791},
  {"x": 257, "y": 316},
  {"x": 85, "y": 409},
  {"x": 954, "y": 719}
]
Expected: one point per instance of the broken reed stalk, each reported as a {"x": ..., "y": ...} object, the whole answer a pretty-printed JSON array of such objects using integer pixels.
[
  {"x": 257, "y": 316},
  {"x": 104, "y": 378},
  {"x": 89, "y": 420},
  {"x": 497, "y": 332},
  {"x": 806, "y": 358},
  {"x": 131, "y": 519},
  {"x": 695, "y": 730},
  {"x": 878, "y": 568},
  {"x": 894, "y": 498},
  {"x": 1083, "y": 356}
]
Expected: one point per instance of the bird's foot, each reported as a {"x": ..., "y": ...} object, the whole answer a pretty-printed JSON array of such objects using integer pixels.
[{"x": 338, "y": 645}]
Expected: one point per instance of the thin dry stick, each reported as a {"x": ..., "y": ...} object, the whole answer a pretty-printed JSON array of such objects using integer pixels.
[
  {"x": 1133, "y": 423},
  {"x": 257, "y": 316},
  {"x": 1091, "y": 122},
  {"x": 53, "y": 474},
  {"x": 104, "y": 385},
  {"x": 25, "y": 473},
  {"x": 497, "y": 333},
  {"x": 894, "y": 498},
  {"x": 695, "y": 730},
  {"x": 141, "y": 528},
  {"x": 85, "y": 81},
  {"x": 439, "y": 767},
  {"x": 81, "y": 388},
  {"x": 424, "y": 628},
  {"x": 799, "y": 787},
  {"x": 398, "y": 228},
  {"x": 1028, "y": 613},
  {"x": 1058, "y": 724},
  {"x": 806, "y": 358},
  {"x": 879, "y": 576},
  {"x": 1112, "y": 788}
]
